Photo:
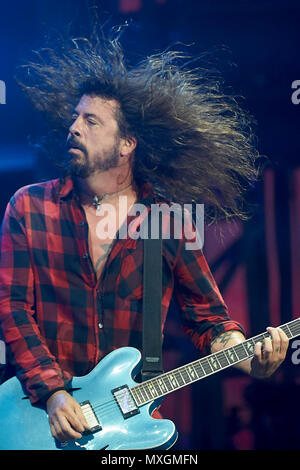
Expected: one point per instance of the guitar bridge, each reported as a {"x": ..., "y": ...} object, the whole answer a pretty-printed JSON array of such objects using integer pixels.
[
  {"x": 125, "y": 401},
  {"x": 91, "y": 417}
]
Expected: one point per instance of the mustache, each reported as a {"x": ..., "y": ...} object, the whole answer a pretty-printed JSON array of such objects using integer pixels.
[{"x": 73, "y": 143}]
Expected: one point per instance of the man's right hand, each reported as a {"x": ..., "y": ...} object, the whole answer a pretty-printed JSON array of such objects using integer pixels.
[{"x": 66, "y": 419}]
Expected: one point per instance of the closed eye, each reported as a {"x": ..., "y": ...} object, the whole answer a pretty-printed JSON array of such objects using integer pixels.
[{"x": 74, "y": 117}]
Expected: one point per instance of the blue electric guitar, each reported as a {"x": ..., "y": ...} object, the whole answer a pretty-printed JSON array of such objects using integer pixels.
[{"x": 117, "y": 408}]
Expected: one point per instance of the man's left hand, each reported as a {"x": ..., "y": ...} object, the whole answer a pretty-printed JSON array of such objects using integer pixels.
[{"x": 270, "y": 354}]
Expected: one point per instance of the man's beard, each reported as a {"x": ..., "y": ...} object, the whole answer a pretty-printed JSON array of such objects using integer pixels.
[{"x": 83, "y": 168}]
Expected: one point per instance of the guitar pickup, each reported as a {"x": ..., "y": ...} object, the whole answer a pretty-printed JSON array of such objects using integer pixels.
[
  {"x": 91, "y": 417},
  {"x": 125, "y": 401}
]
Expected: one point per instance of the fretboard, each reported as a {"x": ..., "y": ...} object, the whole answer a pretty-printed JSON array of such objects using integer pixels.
[{"x": 185, "y": 375}]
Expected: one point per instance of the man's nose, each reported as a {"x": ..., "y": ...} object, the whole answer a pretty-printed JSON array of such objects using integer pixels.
[{"x": 75, "y": 128}]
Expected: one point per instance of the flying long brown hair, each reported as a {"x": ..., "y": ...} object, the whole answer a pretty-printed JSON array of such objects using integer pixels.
[{"x": 194, "y": 141}]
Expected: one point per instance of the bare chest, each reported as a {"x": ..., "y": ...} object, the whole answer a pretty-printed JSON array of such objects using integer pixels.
[{"x": 103, "y": 228}]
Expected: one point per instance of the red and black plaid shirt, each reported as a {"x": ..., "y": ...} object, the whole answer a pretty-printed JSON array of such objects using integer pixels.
[{"x": 57, "y": 320}]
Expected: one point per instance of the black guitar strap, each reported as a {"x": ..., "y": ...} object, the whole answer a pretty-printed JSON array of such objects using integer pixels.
[{"x": 152, "y": 297}]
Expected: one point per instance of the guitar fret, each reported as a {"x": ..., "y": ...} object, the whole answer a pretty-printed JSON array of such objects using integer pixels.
[
  {"x": 140, "y": 395},
  {"x": 199, "y": 369},
  {"x": 157, "y": 387},
  {"x": 218, "y": 362},
  {"x": 296, "y": 330},
  {"x": 243, "y": 344},
  {"x": 192, "y": 372},
  {"x": 227, "y": 356},
  {"x": 188, "y": 374},
  {"x": 231, "y": 355},
  {"x": 214, "y": 363},
  {"x": 185, "y": 376},
  {"x": 168, "y": 383},
  {"x": 241, "y": 352},
  {"x": 157, "y": 384},
  {"x": 173, "y": 381},
  {"x": 179, "y": 378},
  {"x": 145, "y": 391},
  {"x": 162, "y": 385},
  {"x": 136, "y": 395},
  {"x": 249, "y": 345},
  {"x": 152, "y": 390},
  {"x": 206, "y": 366},
  {"x": 148, "y": 391},
  {"x": 295, "y": 326},
  {"x": 287, "y": 331},
  {"x": 222, "y": 358},
  {"x": 140, "y": 391}
]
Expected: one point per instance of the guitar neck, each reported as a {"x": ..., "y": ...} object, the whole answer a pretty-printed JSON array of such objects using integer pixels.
[{"x": 194, "y": 371}]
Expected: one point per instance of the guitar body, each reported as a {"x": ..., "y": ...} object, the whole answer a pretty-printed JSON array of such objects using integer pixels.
[{"x": 26, "y": 427}]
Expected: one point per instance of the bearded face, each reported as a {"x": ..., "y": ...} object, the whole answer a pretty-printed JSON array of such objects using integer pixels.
[{"x": 93, "y": 142}]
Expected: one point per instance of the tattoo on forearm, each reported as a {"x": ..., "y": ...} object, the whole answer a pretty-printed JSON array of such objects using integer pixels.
[{"x": 223, "y": 338}]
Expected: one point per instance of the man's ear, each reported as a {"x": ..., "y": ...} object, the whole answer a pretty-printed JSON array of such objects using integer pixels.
[{"x": 128, "y": 145}]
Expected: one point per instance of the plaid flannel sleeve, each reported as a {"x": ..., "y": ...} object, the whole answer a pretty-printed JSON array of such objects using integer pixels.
[
  {"x": 204, "y": 313},
  {"x": 35, "y": 366}
]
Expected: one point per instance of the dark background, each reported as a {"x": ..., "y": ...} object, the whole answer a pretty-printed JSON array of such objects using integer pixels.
[{"x": 256, "y": 265}]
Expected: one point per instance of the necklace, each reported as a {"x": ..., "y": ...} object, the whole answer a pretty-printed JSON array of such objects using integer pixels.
[{"x": 97, "y": 200}]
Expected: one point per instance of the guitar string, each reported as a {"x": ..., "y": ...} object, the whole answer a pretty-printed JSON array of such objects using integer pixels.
[{"x": 111, "y": 403}]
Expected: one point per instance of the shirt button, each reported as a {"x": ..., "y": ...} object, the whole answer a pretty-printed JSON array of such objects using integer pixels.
[
  {"x": 100, "y": 325},
  {"x": 81, "y": 224},
  {"x": 85, "y": 256}
]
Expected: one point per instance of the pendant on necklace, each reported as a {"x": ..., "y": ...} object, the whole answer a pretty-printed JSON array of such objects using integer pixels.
[{"x": 97, "y": 202}]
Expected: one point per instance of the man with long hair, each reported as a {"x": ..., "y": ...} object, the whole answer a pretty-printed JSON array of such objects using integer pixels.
[{"x": 159, "y": 132}]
